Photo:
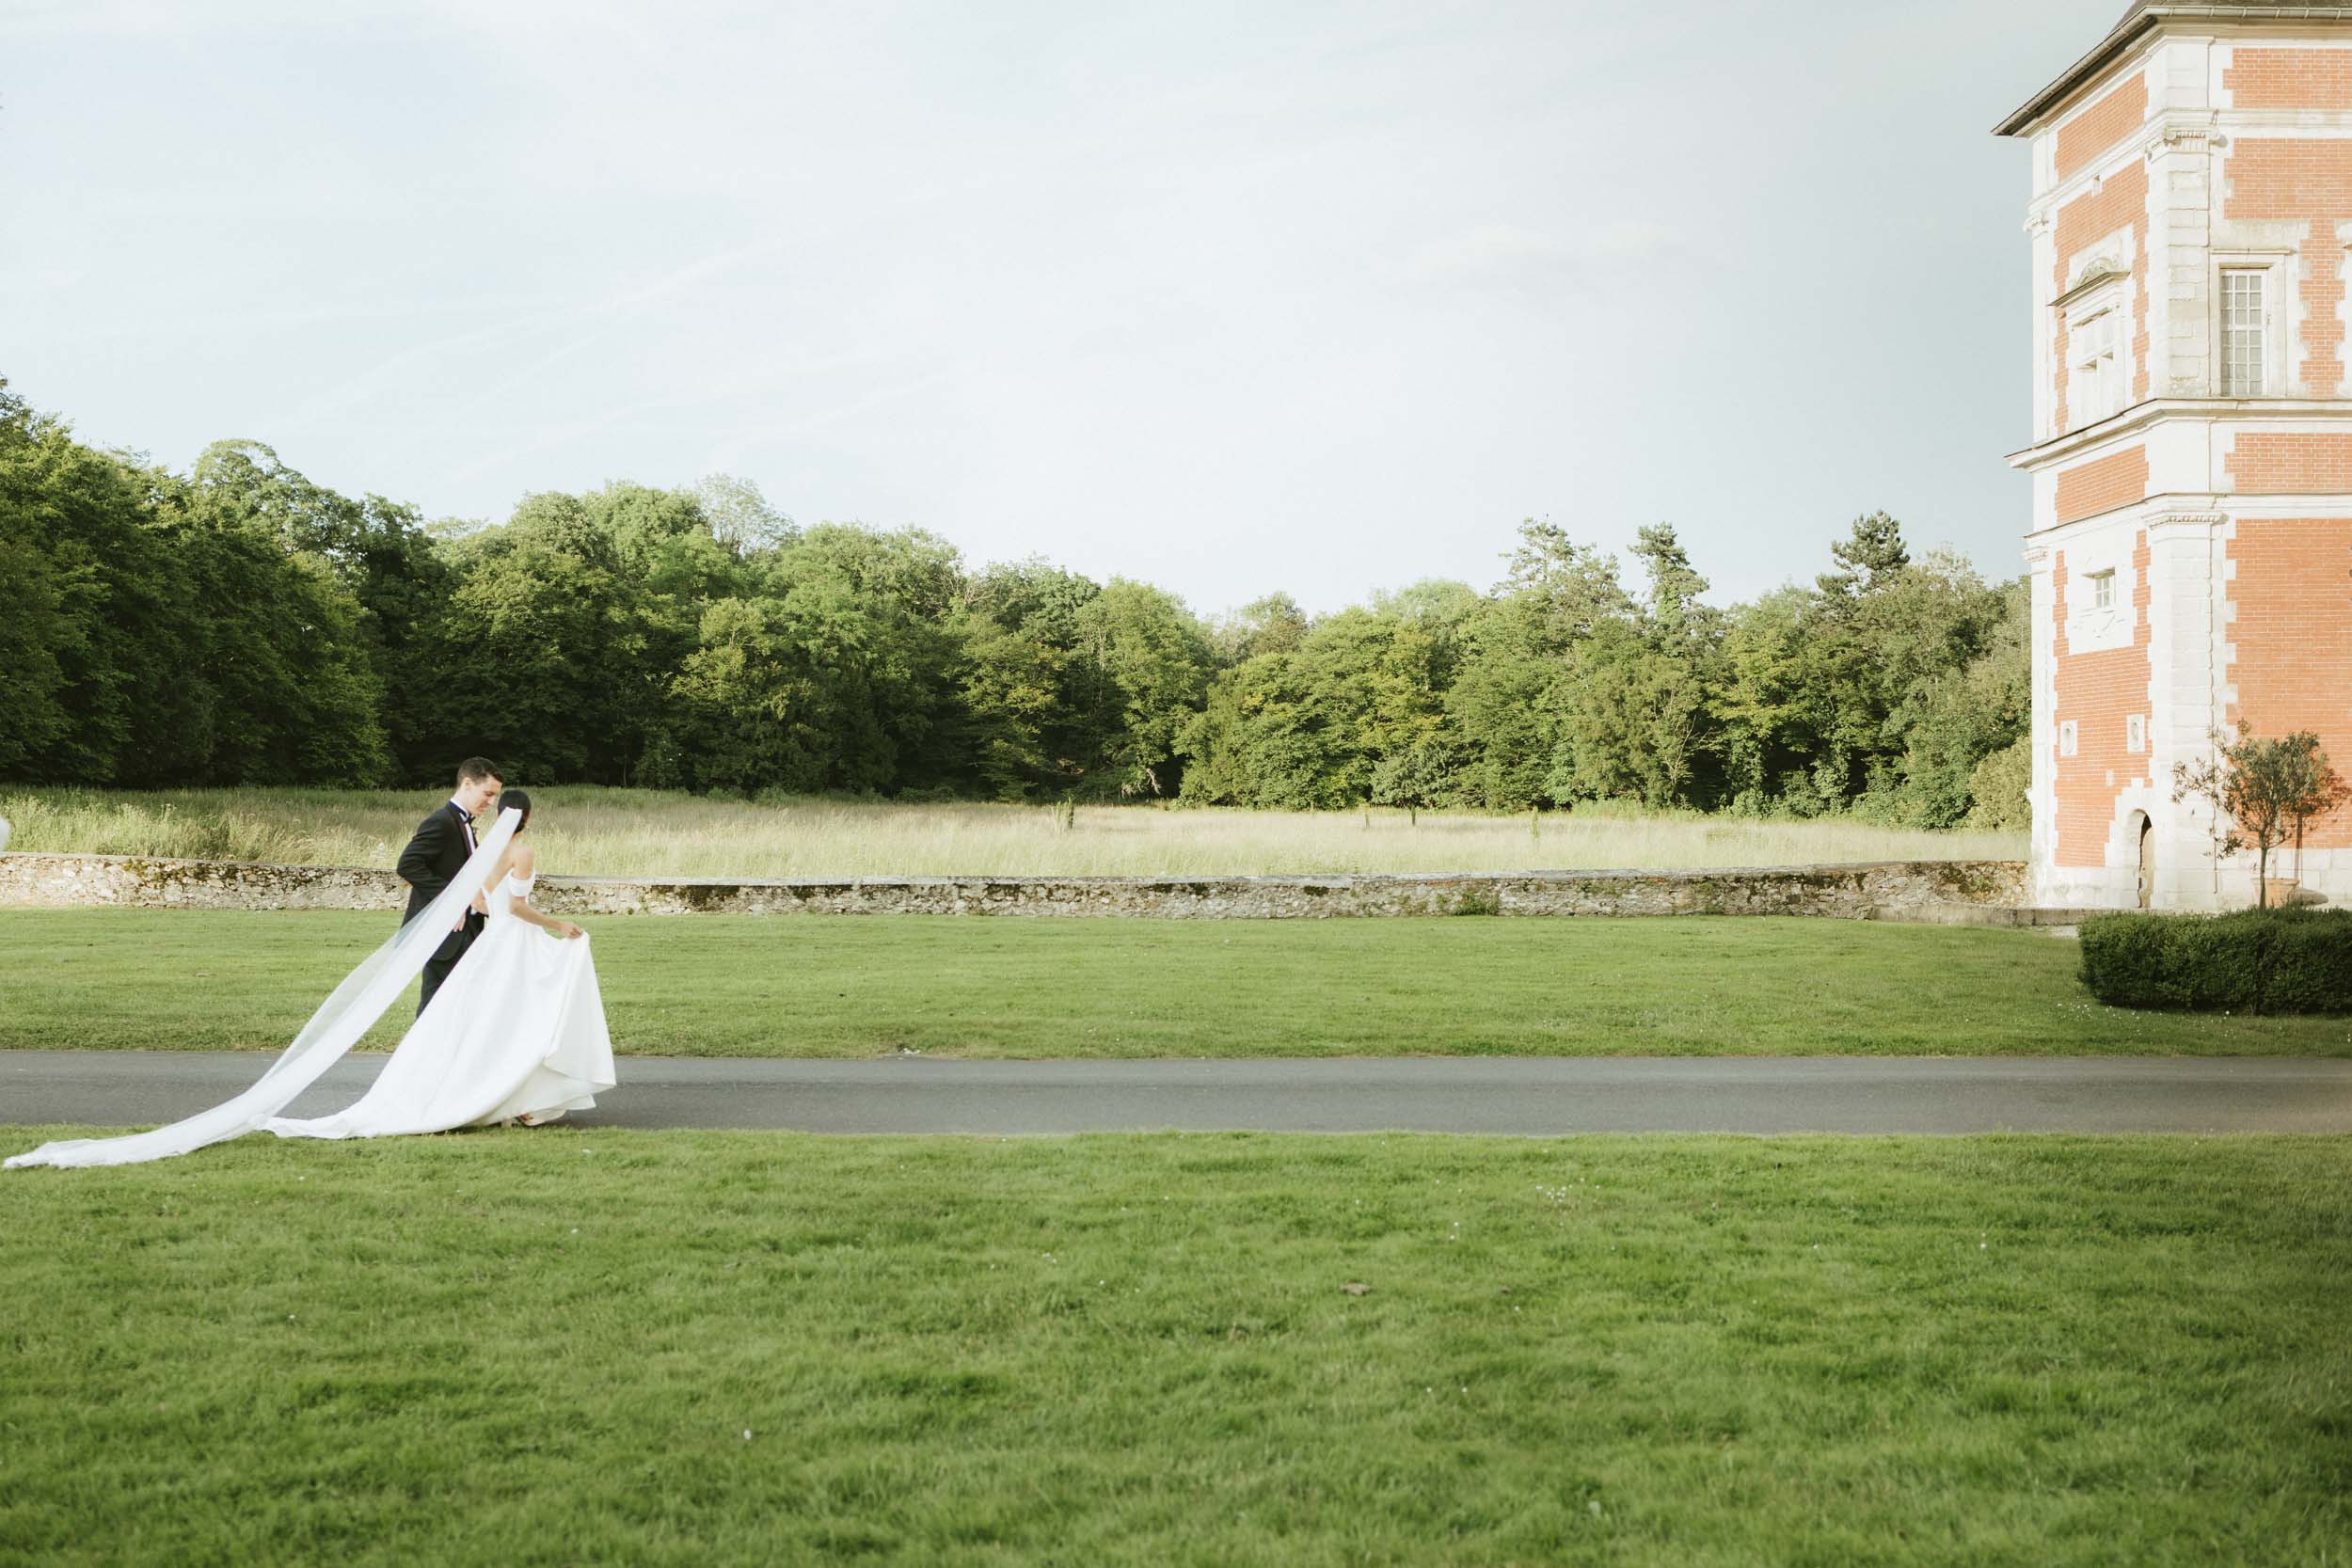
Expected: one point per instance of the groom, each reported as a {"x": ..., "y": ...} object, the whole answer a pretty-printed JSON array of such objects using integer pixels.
[{"x": 444, "y": 842}]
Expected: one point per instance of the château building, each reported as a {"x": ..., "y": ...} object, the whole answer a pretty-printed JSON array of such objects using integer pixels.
[{"x": 2191, "y": 545}]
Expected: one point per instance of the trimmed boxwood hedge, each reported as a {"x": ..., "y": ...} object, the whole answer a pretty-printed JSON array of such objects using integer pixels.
[{"x": 2291, "y": 961}]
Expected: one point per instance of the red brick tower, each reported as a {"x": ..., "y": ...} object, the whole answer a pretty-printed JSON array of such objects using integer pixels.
[{"x": 2191, "y": 545}]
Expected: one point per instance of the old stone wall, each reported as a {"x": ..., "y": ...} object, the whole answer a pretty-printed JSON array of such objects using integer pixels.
[{"x": 1878, "y": 890}]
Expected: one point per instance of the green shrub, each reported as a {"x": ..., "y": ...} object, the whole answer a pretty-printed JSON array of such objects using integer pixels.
[
  {"x": 1476, "y": 900},
  {"x": 2287, "y": 960},
  {"x": 2124, "y": 961},
  {"x": 2312, "y": 971},
  {"x": 1997, "y": 789}
]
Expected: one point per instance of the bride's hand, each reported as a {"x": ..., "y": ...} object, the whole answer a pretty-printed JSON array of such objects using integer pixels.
[{"x": 568, "y": 930}]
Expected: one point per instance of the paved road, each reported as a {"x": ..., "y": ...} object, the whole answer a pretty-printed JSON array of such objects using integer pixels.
[{"x": 1638, "y": 1094}]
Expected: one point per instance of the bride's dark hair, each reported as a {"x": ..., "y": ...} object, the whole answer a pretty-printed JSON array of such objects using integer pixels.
[{"x": 515, "y": 799}]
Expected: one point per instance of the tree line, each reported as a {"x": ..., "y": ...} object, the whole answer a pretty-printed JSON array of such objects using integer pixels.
[{"x": 241, "y": 624}]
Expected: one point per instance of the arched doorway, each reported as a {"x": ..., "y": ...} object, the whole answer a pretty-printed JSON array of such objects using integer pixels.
[{"x": 2147, "y": 836}]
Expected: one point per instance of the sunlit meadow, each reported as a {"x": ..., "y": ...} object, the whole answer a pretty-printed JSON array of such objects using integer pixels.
[
  {"x": 631, "y": 832},
  {"x": 683, "y": 1349}
]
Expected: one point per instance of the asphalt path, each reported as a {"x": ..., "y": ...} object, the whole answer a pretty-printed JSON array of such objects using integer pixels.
[{"x": 1493, "y": 1095}]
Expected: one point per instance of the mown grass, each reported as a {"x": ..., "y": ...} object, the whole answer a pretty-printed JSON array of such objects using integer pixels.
[
  {"x": 585, "y": 831},
  {"x": 846, "y": 985},
  {"x": 593, "y": 1347}
]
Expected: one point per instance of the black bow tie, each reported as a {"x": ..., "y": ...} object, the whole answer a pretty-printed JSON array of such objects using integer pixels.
[{"x": 463, "y": 813}]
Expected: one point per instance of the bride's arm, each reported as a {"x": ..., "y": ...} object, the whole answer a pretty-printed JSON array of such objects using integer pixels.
[{"x": 526, "y": 862}]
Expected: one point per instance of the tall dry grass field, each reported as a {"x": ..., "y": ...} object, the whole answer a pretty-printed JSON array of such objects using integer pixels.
[{"x": 586, "y": 831}]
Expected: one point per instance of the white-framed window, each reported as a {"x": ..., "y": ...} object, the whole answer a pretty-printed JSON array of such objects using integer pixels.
[
  {"x": 2100, "y": 586},
  {"x": 2136, "y": 732},
  {"x": 2066, "y": 738},
  {"x": 2245, "y": 334},
  {"x": 2252, "y": 356},
  {"x": 2094, "y": 380}
]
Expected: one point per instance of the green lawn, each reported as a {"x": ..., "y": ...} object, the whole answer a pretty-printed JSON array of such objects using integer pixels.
[
  {"x": 577, "y": 1346},
  {"x": 803, "y": 986}
]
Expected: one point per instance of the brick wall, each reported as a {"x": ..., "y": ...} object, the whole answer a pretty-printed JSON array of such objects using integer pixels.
[
  {"x": 2291, "y": 640},
  {"x": 2102, "y": 483},
  {"x": 2274, "y": 177},
  {"x": 2288, "y": 79},
  {"x": 2271, "y": 463},
  {"x": 2122, "y": 201},
  {"x": 2102, "y": 125},
  {"x": 2097, "y": 691}
]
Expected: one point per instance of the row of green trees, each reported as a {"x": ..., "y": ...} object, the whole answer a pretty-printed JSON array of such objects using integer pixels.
[{"x": 241, "y": 624}]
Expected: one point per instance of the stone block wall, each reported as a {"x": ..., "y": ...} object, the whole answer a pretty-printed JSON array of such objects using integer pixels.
[{"x": 1877, "y": 889}]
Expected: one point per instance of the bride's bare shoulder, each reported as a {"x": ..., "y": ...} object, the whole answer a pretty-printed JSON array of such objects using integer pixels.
[{"x": 526, "y": 856}]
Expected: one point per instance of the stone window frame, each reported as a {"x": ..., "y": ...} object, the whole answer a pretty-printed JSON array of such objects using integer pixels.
[
  {"x": 2097, "y": 298},
  {"x": 2096, "y": 323},
  {"x": 2276, "y": 267},
  {"x": 2090, "y": 626},
  {"x": 2067, "y": 746}
]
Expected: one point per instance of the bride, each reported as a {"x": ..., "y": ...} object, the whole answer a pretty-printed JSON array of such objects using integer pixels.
[{"x": 516, "y": 1033}]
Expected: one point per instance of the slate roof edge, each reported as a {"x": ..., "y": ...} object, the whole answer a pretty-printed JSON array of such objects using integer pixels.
[{"x": 2137, "y": 25}]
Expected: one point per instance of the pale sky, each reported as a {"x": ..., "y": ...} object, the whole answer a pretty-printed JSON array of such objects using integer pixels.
[{"x": 1229, "y": 297}]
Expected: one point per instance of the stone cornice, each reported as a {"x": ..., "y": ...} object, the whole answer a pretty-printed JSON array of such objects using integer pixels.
[
  {"x": 2072, "y": 524},
  {"x": 2191, "y": 132},
  {"x": 2194, "y": 133},
  {"x": 2185, "y": 522},
  {"x": 2152, "y": 411},
  {"x": 2102, "y": 272},
  {"x": 2195, "y": 512}
]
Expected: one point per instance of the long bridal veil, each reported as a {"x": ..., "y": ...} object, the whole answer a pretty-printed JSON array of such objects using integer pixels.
[{"x": 334, "y": 1029}]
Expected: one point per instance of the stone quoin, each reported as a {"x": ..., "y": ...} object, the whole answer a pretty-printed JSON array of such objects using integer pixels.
[{"x": 2191, "y": 540}]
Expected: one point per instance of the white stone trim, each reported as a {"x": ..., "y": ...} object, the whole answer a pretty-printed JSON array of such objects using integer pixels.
[
  {"x": 2042, "y": 726},
  {"x": 2282, "y": 362},
  {"x": 2090, "y": 627},
  {"x": 2279, "y": 413}
]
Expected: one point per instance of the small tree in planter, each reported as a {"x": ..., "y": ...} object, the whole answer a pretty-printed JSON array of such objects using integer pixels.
[
  {"x": 2313, "y": 787},
  {"x": 2266, "y": 790}
]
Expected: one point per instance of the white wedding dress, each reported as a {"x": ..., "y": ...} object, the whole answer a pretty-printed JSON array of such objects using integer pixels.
[
  {"x": 516, "y": 1030},
  {"x": 365, "y": 995}
]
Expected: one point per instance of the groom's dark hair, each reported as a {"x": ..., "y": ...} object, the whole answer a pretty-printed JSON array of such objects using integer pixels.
[{"x": 478, "y": 767}]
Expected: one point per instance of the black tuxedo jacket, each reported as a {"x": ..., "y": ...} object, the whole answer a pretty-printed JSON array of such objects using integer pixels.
[{"x": 431, "y": 863}]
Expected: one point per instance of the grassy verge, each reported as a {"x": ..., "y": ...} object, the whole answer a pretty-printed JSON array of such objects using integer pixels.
[
  {"x": 576, "y": 1347},
  {"x": 748, "y": 986},
  {"x": 644, "y": 832}
]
